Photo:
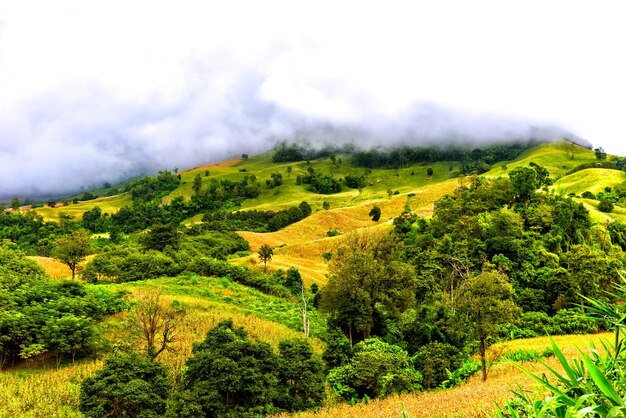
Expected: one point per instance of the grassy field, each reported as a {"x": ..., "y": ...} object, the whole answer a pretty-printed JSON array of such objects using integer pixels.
[
  {"x": 558, "y": 157},
  {"x": 592, "y": 179},
  {"x": 108, "y": 205}
]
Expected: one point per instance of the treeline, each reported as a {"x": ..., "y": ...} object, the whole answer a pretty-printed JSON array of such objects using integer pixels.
[
  {"x": 477, "y": 160},
  {"x": 255, "y": 220},
  {"x": 39, "y": 316},
  {"x": 291, "y": 152},
  {"x": 175, "y": 252}
]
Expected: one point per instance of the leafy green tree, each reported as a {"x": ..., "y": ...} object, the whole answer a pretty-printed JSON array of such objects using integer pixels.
[
  {"x": 293, "y": 280},
  {"x": 300, "y": 375},
  {"x": 161, "y": 236},
  {"x": 486, "y": 303},
  {"x": 72, "y": 249},
  {"x": 245, "y": 157},
  {"x": 600, "y": 154},
  {"x": 265, "y": 254},
  {"x": 365, "y": 284},
  {"x": 376, "y": 370},
  {"x": 325, "y": 205},
  {"x": 197, "y": 184},
  {"x": 524, "y": 181},
  {"x": 305, "y": 208},
  {"x": 338, "y": 350},
  {"x": 375, "y": 214},
  {"x": 429, "y": 171},
  {"x": 129, "y": 385},
  {"x": 15, "y": 204},
  {"x": 605, "y": 206},
  {"x": 228, "y": 375}
]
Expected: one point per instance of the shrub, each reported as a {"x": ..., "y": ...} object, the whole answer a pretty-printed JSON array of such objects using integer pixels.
[
  {"x": 377, "y": 369},
  {"x": 605, "y": 206},
  {"x": 434, "y": 359},
  {"x": 129, "y": 385}
]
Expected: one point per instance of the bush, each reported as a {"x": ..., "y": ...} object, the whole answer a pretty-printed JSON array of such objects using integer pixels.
[
  {"x": 230, "y": 375},
  {"x": 434, "y": 360},
  {"x": 605, "y": 206},
  {"x": 128, "y": 385},
  {"x": 377, "y": 369}
]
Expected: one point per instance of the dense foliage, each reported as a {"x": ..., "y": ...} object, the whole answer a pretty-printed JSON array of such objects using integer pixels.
[
  {"x": 129, "y": 385},
  {"x": 255, "y": 220},
  {"x": 38, "y": 315},
  {"x": 477, "y": 160},
  {"x": 230, "y": 375}
]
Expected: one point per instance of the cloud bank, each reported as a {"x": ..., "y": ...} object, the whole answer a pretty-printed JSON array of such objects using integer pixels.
[{"x": 99, "y": 94}]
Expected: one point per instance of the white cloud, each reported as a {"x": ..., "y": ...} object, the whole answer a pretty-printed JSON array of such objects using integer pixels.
[{"x": 95, "y": 91}]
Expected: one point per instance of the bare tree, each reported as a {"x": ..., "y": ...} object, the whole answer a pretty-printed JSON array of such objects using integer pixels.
[
  {"x": 155, "y": 322},
  {"x": 306, "y": 323}
]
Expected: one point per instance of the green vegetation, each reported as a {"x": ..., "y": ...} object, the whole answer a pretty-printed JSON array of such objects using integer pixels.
[
  {"x": 408, "y": 304},
  {"x": 39, "y": 316}
]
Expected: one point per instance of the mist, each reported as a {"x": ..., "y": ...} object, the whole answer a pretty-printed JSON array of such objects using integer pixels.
[{"x": 83, "y": 104}]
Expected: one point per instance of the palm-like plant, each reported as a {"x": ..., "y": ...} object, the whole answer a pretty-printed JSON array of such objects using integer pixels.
[{"x": 594, "y": 385}]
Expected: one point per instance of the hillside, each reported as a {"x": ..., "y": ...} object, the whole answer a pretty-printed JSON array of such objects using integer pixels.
[{"x": 485, "y": 230}]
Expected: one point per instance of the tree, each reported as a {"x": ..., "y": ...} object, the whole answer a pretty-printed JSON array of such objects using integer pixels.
[
  {"x": 486, "y": 303},
  {"x": 600, "y": 154},
  {"x": 377, "y": 369},
  {"x": 429, "y": 171},
  {"x": 367, "y": 282},
  {"x": 375, "y": 214},
  {"x": 524, "y": 182},
  {"x": 265, "y": 254},
  {"x": 605, "y": 206},
  {"x": 155, "y": 322},
  {"x": 72, "y": 249},
  {"x": 300, "y": 375},
  {"x": 325, "y": 205},
  {"x": 15, "y": 204},
  {"x": 228, "y": 375},
  {"x": 289, "y": 170},
  {"x": 161, "y": 236},
  {"x": 197, "y": 184},
  {"x": 244, "y": 157},
  {"x": 129, "y": 385}
]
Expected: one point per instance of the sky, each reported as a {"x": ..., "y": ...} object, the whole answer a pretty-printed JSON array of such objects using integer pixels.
[{"x": 97, "y": 91}]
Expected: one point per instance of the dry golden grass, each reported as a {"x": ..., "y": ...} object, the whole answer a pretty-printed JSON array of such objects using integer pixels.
[
  {"x": 301, "y": 245},
  {"x": 223, "y": 164},
  {"x": 57, "y": 270},
  {"x": 53, "y": 268},
  {"x": 44, "y": 392},
  {"x": 470, "y": 399}
]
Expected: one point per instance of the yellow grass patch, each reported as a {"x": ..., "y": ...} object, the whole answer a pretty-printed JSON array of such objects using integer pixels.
[{"x": 53, "y": 268}]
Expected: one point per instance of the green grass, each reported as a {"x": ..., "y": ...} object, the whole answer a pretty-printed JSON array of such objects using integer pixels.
[
  {"x": 108, "y": 205},
  {"x": 558, "y": 157},
  {"x": 592, "y": 179},
  {"x": 227, "y": 295}
]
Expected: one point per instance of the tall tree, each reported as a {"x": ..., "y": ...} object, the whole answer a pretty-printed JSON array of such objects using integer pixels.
[
  {"x": 486, "y": 303},
  {"x": 197, "y": 184},
  {"x": 72, "y": 249},
  {"x": 265, "y": 254},
  {"x": 367, "y": 281}
]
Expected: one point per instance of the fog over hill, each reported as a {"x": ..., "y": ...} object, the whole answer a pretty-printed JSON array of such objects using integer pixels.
[{"x": 180, "y": 85}]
